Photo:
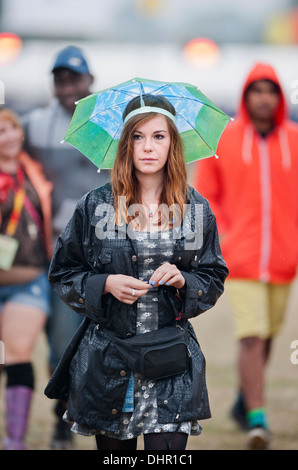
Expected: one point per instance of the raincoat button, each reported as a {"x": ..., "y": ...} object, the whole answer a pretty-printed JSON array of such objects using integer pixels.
[
  {"x": 165, "y": 402},
  {"x": 123, "y": 373},
  {"x": 114, "y": 411},
  {"x": 81, "y": 300},
  {"x": 134, "y": 258},
  {"x": 200, "y": 292}
]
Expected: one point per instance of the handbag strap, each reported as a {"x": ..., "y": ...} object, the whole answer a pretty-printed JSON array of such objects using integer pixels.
[{"x": 21, "y": 200}]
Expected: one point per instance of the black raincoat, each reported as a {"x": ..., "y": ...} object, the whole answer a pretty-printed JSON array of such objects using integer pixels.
[{"x": 91, "y": 377}]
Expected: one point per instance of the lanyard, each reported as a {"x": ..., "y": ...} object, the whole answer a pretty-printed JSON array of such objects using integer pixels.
[
  {"x": 16, "y": 212},
  {"x": 20, "y": 201}
]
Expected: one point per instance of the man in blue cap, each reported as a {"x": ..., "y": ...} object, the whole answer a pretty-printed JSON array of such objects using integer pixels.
[
  {"x": 72, "y": 175},
  {"x": 72, "y": 78}
]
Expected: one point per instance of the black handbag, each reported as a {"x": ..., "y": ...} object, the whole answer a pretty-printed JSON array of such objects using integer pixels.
[{"x": 157, "y": 354}]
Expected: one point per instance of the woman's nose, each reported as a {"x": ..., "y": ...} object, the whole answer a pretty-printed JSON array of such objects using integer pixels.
[{"x": 147, "y": 145}]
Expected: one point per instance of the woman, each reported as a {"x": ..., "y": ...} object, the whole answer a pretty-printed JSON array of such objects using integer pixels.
[
  {"x": 127, "y": 263},
  {"x": 25, "y": 249}
]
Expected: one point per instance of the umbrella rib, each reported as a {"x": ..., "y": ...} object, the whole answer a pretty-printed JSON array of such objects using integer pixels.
[
  {"x": 112, "y": 140},
  {"x": 190, "y": 98},
  {"x": 75, "y": 130},
  {"x": 96, "y": 114},
  {"x": 106, "y": 109},
  {"x": 206, "y": 143},
  {"x": 185, "y": 98}
]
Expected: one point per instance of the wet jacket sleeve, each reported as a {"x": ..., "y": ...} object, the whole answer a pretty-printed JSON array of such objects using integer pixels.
[
  {"x": 204, "y": 282},
  {"x": 71, "y": 275}
]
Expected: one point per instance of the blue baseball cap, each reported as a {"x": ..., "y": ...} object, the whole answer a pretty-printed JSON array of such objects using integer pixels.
[{"x": 73, "y": 59}]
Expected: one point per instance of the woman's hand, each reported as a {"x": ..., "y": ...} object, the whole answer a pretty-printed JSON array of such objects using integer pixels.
[
  {"x": 127, "y": 289},
  {"x": 169, "y": 275}
]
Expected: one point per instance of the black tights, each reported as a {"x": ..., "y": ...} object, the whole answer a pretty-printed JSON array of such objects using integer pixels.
[{"x": 160, "y": 441}]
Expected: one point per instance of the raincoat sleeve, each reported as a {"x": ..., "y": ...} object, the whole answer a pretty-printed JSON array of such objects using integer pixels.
[
  {"x": 71, "y": 274},
  {"x": 204, "y": 281}
]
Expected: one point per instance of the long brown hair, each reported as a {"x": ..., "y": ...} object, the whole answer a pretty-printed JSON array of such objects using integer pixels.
[{"x": 124, "y": 182}]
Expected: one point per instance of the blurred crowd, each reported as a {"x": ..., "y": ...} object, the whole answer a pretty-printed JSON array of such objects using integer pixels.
[{"x": 251, "y": 189}]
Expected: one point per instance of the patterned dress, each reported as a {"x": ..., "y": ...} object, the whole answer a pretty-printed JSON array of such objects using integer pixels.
[{"x": 140, "y": 413}]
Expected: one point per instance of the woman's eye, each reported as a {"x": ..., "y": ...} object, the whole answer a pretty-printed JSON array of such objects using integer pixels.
[
  {"x": 136, "y": 137},
  {"x": 159, "y": 136}
]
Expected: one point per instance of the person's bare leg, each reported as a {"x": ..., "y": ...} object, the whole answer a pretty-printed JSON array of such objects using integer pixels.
[
  {"x": 253, "y": 356},
  {"x": 251, "y": 364},
  {"x": 21, "y": 326}
]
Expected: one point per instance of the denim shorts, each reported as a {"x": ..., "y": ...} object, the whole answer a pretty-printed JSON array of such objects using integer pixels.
[{"x": 35, "y": 293}]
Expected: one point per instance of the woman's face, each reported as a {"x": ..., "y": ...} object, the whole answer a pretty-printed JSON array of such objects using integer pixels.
[
  {"x": 151, "y": 143},
  {"x": 11, "y": 139}
]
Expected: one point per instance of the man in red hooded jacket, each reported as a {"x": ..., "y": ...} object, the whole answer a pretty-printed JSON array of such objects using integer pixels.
[{"x": 252, "y": 189}]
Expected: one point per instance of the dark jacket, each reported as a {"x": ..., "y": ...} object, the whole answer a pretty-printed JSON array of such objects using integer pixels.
[{"x": 91, "y": 376}]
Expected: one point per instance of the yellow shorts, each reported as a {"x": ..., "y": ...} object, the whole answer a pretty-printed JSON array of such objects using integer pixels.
[{"x": 258, "y": 307}]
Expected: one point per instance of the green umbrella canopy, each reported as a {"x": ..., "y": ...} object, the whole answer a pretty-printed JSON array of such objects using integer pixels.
[{"x": 97, "y": 122}]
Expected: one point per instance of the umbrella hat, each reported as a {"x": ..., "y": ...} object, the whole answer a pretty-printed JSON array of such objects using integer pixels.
[{"x": 97, "y": 122}]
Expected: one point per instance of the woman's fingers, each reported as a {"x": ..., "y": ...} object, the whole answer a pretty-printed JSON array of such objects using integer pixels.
[
  {"x": 167, "y": 274},
  {"x": 137, "y": 284},
  {"x": 127, "y": 289},
  {"x": 133, "y": 295},
  {"x": 137, "y": 288}
]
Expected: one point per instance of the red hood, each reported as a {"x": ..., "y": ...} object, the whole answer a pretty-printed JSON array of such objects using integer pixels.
[{"x": 263, "y": 71}]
